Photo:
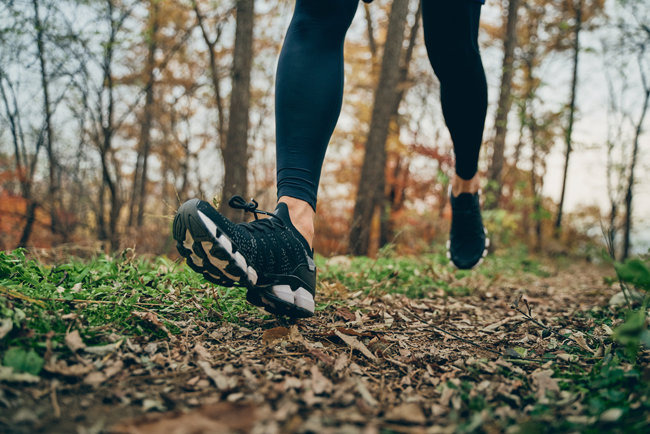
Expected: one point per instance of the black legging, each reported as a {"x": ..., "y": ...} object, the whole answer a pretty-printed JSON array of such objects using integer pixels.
[{"x": 309, "y": 85}]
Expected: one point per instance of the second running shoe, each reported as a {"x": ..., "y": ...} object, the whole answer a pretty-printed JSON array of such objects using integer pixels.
[
  {"x": 268, "y": 256},
  {"x": 468, "y": 242}
]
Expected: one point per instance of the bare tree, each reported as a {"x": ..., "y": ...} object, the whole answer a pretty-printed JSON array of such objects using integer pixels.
[
  {"x": 235, "y": 151},
  {"x": 371, "y": 184},
  {"x": 503, "y": 106}
]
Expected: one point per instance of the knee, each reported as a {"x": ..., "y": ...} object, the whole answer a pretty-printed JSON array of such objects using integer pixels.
[{"x": 323, "y": 18}]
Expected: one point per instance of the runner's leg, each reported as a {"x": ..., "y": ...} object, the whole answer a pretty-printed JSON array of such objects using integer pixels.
[
  {"x": 309, "y": 93},
  {"x": 451, "y": 37}
]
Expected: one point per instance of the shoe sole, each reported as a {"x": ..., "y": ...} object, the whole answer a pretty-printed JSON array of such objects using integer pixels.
[
  {"x": 209, "y": 251},
  {"x": 480, "y": 261}
]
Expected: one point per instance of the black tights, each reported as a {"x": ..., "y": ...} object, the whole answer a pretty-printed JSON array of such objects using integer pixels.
[{"x": 309, "y": 85}]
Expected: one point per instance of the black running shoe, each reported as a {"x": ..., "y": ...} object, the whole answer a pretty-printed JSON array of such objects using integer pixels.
[
  {"x": 468, "y": 242},
  {"x": 268, "y": 256}
]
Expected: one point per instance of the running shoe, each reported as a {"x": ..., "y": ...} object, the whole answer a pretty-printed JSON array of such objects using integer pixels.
[
  {"x": 268, "y": 256},
  {"x": 468, "y": 242}
]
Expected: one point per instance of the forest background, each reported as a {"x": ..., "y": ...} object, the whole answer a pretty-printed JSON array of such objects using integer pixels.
[{"x": 113, "y": 112}]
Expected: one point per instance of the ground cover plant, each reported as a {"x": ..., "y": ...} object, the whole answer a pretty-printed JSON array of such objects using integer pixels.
[{"x": 400, "y": 344}]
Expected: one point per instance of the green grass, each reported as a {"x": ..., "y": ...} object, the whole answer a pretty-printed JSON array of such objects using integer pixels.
[
  {"x": 426, "y": 274},
  {"x": 103, "y": 293}
]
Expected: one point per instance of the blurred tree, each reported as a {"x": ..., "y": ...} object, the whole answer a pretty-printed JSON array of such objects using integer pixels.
[
  {"x": 370, "y": 191},
  {"x": 235, "y": 151},
  {"x": 494, "y": 185},
  {"x": 582, "y": 12}
]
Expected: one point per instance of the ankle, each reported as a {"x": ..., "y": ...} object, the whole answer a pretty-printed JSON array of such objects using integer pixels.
[
  {"x": 302, "y": 217},
  {"x": 460, "y": 185}
]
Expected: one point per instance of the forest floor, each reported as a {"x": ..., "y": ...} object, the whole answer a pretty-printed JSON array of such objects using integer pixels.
[{"x": 131, "y": 345}]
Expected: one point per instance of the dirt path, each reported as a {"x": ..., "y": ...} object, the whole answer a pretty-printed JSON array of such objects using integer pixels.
[{"x": 364, "y": 364}]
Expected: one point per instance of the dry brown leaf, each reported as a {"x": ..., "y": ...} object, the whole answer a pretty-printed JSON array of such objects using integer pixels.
[
  {"x": 153, "y": 319},
  {"x": 341, "y": 362},
  {"x": 222, "y": 381},
  {"x": 543, "y": 382},
  {"x": 95, "y": 378},
  {"x": 410, "y": 413},
  {"x": 354, "y": 343},
  {"x": 62, "y": 368},
  {"x": 274, "y": 334},
  {"x": 202, "y": 353},
  {"x": 320, "y": 384},
  {"x": 74, "y": 342}
]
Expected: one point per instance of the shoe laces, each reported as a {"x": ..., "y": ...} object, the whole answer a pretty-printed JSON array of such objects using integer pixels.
[{"x": 263, "y": 225}]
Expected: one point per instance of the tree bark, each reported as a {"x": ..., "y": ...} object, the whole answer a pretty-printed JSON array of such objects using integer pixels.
[
  {"x": 372, "y": 182},
  {"x": 394, "y": 199},
  {"x": 235, "y": 152},
  {"x": 53, "y": 187},
  {"x": 572, "y": 106},
  {"x": 495, "y": 170},
  {"x": 140, "y": 178},
  {"x": 635, "y": 152}
]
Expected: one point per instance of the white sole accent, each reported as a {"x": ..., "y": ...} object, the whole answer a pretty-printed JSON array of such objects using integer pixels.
[
  {"x": 225, "y": 243},
  {"x": 300, "y": 297},
  {"x": 252, "y": 275},
  {"x": 284, "y": 293},
  {"x": 241, "y": 262},
  {"x": 209, "y": 224},
  {"x": 304, "y": 299}
]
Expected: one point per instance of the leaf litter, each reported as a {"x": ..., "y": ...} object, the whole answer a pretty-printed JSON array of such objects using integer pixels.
[{"x": 369, "y": 361}]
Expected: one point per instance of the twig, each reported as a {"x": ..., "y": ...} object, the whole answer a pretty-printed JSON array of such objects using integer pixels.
[
  {"x": 79, "y": 300},
  {"x": 55, "y": 402},
  {"x": 550, "y": 330},
  {"x": 467, "y": 341}
]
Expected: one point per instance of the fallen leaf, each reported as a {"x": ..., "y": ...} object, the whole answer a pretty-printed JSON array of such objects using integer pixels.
[
  {"x": 222, "y": 417},
  {"x": 365, "y": 393},
  {"x": 543, "y": 383},
  {"x": 410, "y": 413},
  {"x": 74, "y": 342},
  {"x": 95, "y": 378},
  {"x": 5, "y": 327},
  {"x": 220, "y": 380},
  {"x": 341, "y": 362},
  {"x": 202, "y": 353},
  {"x": 102, "y": 350},
  {"x": 8, "y": 374},
  {"x": 354, "y": 343},
  {"x": 272, "y": 335},
  {"x": 320, "y": 384},
  {"x": 153, "y": 319},
  {"x": 60, "y": 367},
  {"x": 611, "y": 415},
  {"x": 580, "y": 340}
]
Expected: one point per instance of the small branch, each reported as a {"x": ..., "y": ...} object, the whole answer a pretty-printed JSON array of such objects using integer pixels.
[{"x": 550, "y": 330}]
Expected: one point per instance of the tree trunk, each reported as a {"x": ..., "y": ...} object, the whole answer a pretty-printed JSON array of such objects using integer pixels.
[
  {"x": 372, "y": 182},
  {"x": 494, "y": 185},
  {"x": 148, "y": 115},
  {"x": 386, "y": 232},
  {"x": 572, "y": 106},
  {"x": 53, "y": 187},
  {"x": 235, "y": 152},
  {"x": 635, "y": 151}
]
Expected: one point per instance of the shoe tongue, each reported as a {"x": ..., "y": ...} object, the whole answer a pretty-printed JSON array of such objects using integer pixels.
[{"x": 282, "y": 212}]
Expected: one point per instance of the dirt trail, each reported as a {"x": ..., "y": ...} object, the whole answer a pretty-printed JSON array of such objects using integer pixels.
[{"x": 363, "y": 364}]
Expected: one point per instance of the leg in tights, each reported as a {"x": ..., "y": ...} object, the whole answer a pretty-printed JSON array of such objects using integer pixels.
[
  {"x": 309, "y": 93},
  {"x": 450, "y": 34}
]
